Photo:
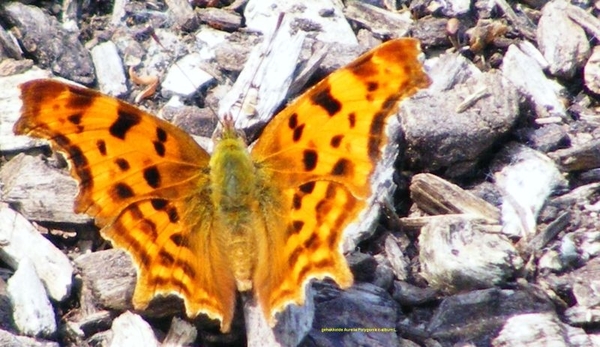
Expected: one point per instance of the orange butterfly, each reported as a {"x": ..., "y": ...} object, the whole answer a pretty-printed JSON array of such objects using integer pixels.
[{"x": 201, "y": 226}]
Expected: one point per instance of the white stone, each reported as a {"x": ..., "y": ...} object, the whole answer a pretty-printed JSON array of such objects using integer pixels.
[
  {"x": 264, "y": 82},
  {"x": 537, "y": 330},
  {"x": 13, "y": 340},
  {"x": 109, "y": 69},
  {"x": 207, "y": 39},
  {"x": 185, "y": 77},
  {"x": 20, "y": 241},
  {"x": 527, "y": 75},
  {"x": 129, "y": 329},
  {"x": 455, "y": 8},
  {"x": 181, "y": 333},
  {"x": 33, "y": 313},
  {"x": 457, "y": 254},
  {"x": 525, "y": 185}
]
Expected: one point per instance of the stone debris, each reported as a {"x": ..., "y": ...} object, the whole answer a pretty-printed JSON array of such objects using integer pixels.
[
  {"x": 33, "y": 313},
  {"x": 22, "y": 242}
]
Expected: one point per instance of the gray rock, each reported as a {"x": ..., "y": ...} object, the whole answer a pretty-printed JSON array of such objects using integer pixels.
[
  {"x": 53, "y": 47},
  {"x": 363, "y": 315},
  {"x": 540, "y": 329},
  {"x": 40, "y": 192},
  {"x": 475, "y": 316},
  {"x": 444, "y": 132},
  {"x": 457, "y": 254},
  {"x": 526, "y": 180},
  {"x": 565, "y": 57},
  {"x": 9, "y": 339}
]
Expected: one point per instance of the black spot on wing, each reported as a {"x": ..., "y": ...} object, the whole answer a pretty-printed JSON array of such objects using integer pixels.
[
  {"x": 352, "y": 119},
  {"x": 75, "y": 118},
  {"x": 179, "y": 240},
  {"x": 325, "y": 100},
  {"x": 159, "y": 147},
  {"x": 161, "y": 134},
  {"x": 297, "y": 202},
  {"x": 152, "y": 176},
  {"x": 297, "y": 225},
  {"x": 159, "y": 204},
  {"x": 342, "y": 167},
  {"x": 170, "y": 210},
  {"x": 123, "y": 191},
  {"x": 122, "y": 164},
  {"x": 307, "y": 188},
  {"x": 293, "y": 121},
  {"x": 159, "y": 143},
  {"x": 336, "y": 141},
  {"x": 101, "y": 145},
  {"x": 310, "y": 158},
  {"x": 298, "y": 133},
  {"x": 125, "y": 121}
]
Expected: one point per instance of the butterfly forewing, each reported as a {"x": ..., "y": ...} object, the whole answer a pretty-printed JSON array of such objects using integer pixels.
[
  {"x": 145, "y": 181},
  {"x": 321, "y": 151}
]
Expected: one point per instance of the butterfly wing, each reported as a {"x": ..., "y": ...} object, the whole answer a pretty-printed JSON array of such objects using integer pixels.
[
  {"x": 146, "y": 184},
  {"x": 321, "y": 152}
]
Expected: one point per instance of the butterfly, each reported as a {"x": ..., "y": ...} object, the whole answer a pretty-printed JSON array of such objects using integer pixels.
[{"x": 203, "y": 226}]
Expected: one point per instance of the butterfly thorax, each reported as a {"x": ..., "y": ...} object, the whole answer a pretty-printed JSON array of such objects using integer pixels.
[{"x": 233, "y": 177}]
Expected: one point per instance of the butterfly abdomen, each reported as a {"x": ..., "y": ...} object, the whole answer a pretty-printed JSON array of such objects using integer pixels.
[{"x": 233, "y": 177}]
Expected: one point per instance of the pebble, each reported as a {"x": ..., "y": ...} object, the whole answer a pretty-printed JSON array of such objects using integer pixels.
[
  {"x": 439, "y": 119},
  {"x": 185, "y": 77},
  {"x": 457, "y": 254},
  {"x": 9, "y": 339},
  {"x": 526, "y": 182},
  {"x": 129, "y": 329},
  {"x": 52, "y": 46},
  {"x": 40, "y": 192},
  {"x": 526, "y": 74},
  {"x": 380, "y": 23},
  {"x": 21, "y": 242},
  {"x": 563, "y": 42},
  {"x": 109, "y": 67},
  {"x": 33, "y": 313},
  {"x": 476, "y": 313},
  {"x": 540, "y": 330}
]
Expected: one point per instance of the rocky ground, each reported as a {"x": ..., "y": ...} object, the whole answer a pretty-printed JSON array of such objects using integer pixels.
[{"x": 491, "y": 238}]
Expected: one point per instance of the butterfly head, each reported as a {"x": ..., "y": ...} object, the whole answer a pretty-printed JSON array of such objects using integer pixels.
[{"x": 227, "y": 130}]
